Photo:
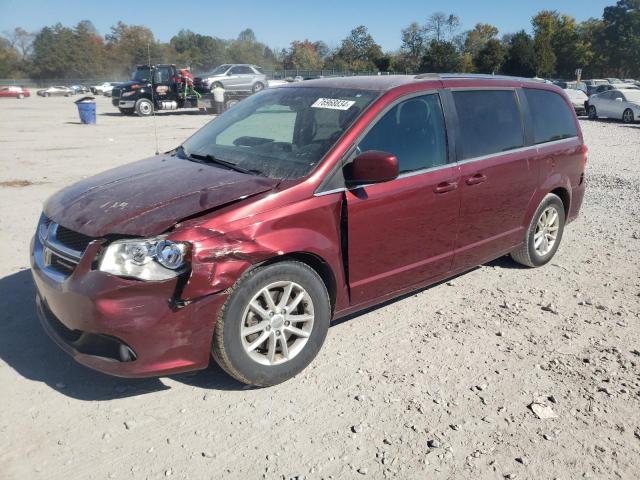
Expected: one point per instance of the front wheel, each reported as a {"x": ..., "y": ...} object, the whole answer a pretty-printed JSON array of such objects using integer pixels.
[
  {"x": 258, "y": 87},
  {"x": 593, "y": 113},
  {"x": 273, "y": 324},
  {"x": 20, "y": 96},
  {"x": 627, "y": 116},
  {"x": 543, "y": 235},
  {"x": 144, "y": 107}
]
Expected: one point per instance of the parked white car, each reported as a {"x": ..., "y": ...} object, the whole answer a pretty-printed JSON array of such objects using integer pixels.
[
  {"x": 578, "y": 99},
  {"x": 104, "y": 87},
  {"x": 618, "y": 104}
]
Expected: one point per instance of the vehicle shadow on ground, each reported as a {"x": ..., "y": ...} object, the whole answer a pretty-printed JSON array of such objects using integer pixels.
[
  {"x": 25, "y": 347},
  {"x": 170, "y": 112}
]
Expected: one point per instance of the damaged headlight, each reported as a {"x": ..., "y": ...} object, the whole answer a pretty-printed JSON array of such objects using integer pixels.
[{"x": 146, "y": 259}]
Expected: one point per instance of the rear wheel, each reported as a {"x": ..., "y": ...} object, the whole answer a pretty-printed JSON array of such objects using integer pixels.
[
  {"x": 593, "y": 113},
  {"x": 273, "y": 324},
  {"x": 544, "y": 233},
  {"x": 627, "y": 116},
  {"x": 144, "y": 107}
]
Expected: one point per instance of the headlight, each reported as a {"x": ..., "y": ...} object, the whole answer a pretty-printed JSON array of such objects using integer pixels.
[
  {"x": 145, "y": 259},
  {"x": 128, "y": 94}
]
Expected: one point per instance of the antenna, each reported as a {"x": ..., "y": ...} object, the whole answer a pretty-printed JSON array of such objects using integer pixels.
[{"x": 153, "y": 100}]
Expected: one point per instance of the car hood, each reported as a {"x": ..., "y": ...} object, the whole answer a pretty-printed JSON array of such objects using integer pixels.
[{"x": 145, "y": 198}]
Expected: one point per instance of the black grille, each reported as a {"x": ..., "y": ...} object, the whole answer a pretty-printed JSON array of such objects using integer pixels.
[
  {"x": 61, "y": 264},
  {"x": 72, "y": 240},
  {"x": 115, "y": 92}
]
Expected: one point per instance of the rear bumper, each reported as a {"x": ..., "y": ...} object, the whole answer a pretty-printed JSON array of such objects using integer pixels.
[{"x": 124, "y": 327}]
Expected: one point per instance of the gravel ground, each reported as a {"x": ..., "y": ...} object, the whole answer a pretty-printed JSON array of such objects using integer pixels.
[{"x": 503, "y": 372}]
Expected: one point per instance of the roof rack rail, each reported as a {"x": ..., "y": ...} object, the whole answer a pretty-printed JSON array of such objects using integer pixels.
[{"x": 423, "y": 76}]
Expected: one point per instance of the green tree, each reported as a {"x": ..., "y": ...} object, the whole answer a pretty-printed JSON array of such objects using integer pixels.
[
  {"x": 131, "y": 45},
  {"x": 440, "y": 57},
  {"x": 9, "y": 60},
  {"x": 490, "y": 57},
  {"x": 303, "y": 55},
  {"x": 520, "y": 55},
  {"x": 545, "y": 25},
  {"x": 477, "y": 38},
  {"x": 622, "y": 37},
  {"x": 358, "y": 52},
  {"x": 200, "y": 52},
  {"x": 413, "y": 47}
]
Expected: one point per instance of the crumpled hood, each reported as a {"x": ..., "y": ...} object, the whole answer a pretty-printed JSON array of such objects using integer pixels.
[{"x": 147, "y": 197}]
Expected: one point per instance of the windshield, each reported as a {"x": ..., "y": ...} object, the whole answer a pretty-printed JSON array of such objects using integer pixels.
[
  {"x": 281, "y": 132},
  {"x": 141, "y": 74},
  {"x": 632, "y": 96}
]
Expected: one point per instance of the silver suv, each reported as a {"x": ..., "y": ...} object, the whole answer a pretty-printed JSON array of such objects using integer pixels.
[{"x": 236, "y": 77}]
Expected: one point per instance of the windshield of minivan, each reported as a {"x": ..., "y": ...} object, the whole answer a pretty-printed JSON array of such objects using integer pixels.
[
  {"x": 280, "y": 132},
  {"x": 141, "y": 74}
]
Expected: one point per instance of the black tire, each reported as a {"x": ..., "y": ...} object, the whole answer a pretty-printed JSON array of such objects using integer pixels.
[
  {"x": 230, "y": 103},
  {"x": 144, "y": 107},
  {"x": 227, "y": 347},
  {"x": 527, "y": 254},
  {"x": 127, "y": 111},
  {"x": 592, "y": 112},
  {"x": 258, "y": 87},
  {"x": 627, "y": 116}
]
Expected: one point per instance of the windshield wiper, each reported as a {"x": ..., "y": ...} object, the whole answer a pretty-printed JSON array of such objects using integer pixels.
[
  {"x": 208, "y": 158},
  {"x": 225, "y": 163}
]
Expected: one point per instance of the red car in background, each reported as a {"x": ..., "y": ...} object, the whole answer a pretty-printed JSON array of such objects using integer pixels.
[
  {"x": 14, "y": 92},
  {"x": 302, "y": 204}
]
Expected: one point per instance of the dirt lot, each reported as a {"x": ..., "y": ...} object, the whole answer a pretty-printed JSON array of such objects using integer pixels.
[{"x": 439, "y": 384}]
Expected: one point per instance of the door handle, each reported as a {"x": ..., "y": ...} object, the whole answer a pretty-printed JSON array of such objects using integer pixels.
[
  {"x": 445, "y": 187},
  {"x": 476, "y": 179}
]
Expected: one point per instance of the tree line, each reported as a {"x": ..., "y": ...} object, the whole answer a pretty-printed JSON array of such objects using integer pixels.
[{"x": 555, "y": 46}]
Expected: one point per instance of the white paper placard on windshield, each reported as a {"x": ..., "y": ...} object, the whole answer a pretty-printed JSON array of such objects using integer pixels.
[{"x": 333, "y": 103}]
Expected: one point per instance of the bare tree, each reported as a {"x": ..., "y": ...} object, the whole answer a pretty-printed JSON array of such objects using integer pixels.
[
  {"x": 441, "y": 26},
  {"x": 21, "y": 40}
]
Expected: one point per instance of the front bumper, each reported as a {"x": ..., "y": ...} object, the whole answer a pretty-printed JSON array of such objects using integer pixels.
[
  {"x": 122, "y": 327},
  {"x": 123, "y": 103}
]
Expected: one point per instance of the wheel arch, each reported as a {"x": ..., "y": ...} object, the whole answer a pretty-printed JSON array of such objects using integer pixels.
[
  {"x": 317, "y": 263},
  {"x": 565, "y": 196}
]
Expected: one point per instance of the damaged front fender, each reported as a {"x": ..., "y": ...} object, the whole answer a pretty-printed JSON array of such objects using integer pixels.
[{"x": 222, "y": 254}]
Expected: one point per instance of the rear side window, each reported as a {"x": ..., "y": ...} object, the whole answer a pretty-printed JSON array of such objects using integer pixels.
[
  {"x": 552, "y": 118},
  {"x": 489, "y": 120},
  {"x": 413, "y": 131}
]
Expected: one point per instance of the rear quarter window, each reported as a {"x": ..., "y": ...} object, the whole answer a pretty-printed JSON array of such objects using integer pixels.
[
  {"x": 489, "y": 120},
  {"x": 552, "y": 117}
]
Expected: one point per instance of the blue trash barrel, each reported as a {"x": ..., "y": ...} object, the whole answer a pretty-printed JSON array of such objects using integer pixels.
[{"x": 87, "y": 110}]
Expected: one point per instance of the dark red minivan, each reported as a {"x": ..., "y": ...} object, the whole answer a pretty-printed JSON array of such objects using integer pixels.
[{"x": 300, "y": 205}]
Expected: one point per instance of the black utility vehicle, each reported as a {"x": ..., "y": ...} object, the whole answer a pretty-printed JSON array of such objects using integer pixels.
[{"x": 163, "y": 87}]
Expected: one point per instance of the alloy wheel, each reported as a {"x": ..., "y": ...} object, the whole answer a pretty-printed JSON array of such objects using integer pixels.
[
  {"x": 546, "y": 232},
  {"x": 277, "y": 323},
  {"x": 627, "y": 116}
]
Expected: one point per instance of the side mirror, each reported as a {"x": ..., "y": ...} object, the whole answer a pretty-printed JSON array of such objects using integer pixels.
[{"x": 371, "y": 167}]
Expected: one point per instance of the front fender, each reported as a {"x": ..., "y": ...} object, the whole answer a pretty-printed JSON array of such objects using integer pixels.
[{"x": 222, "y": 254}]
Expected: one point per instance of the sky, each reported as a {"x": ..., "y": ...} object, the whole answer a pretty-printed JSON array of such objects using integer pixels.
[{"x": 278, "y": 22}]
